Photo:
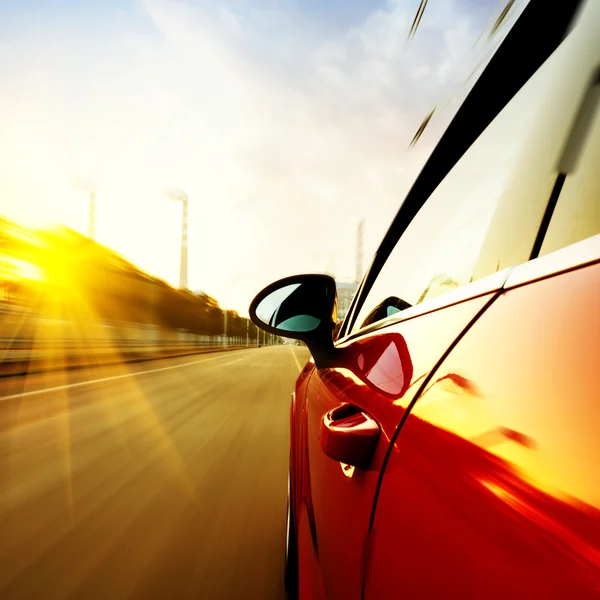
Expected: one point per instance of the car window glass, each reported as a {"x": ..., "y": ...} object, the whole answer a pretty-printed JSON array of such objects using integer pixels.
[
  {"x": 577, "y": 212},
  {"x": 439, "y": 249},
  {"x": 485, "y": 215}
]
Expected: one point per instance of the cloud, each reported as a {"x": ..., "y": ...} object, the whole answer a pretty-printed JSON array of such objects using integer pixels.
[{"x": 284, "y": 131}]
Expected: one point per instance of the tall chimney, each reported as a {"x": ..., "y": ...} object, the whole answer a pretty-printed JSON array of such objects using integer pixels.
[{"x": 359, "y": 245}]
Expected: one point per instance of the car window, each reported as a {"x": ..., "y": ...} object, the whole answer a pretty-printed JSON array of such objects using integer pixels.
[
  {"x": 577, "y": 212},
  {"x": 439, "y": 250},
  {"x": 486, "y": 213}
]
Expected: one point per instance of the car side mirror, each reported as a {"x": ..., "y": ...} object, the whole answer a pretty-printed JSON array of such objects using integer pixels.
[
  {"x": 385, "y": 309},
  {"x": 301, "y": 307}
]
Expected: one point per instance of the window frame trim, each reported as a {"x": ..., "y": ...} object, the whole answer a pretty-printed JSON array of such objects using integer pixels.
[
  {"x": 575, "y": 256},
  {"x": 568, "y": 258},
  {"x": 482, "y": 287}
]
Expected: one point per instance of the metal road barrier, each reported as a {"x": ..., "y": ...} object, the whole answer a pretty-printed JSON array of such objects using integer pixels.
[{"x": 30, "y": 343}]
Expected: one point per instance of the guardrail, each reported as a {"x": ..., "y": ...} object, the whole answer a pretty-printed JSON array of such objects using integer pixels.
[
  {"x": 73, "y": 344},
  {"x": 27, "y": 362},
  {"x": 20, "y": 328},
  {"x": 32, "y": 343}
]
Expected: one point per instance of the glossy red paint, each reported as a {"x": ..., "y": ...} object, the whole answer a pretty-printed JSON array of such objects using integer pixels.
[
  {"x": 492, "y": 489},
  {"x": 382, "y": 362},
  {"x": 333, "y": 500}
]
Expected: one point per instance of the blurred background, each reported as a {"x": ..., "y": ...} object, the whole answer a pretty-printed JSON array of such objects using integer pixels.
[{"x": 162, "y": 161}]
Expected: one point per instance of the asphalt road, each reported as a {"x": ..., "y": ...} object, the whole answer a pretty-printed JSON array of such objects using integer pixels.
[{"x": 164, "y": 479}]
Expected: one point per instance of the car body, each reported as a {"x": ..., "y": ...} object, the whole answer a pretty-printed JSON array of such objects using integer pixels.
[{"x": 452, "y": 448}]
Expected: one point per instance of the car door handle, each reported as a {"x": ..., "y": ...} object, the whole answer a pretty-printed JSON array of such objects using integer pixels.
[{"x": 349, "y": 435}]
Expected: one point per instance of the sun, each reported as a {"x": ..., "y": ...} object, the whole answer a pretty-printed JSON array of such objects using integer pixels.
[{"x": 15, "y": 269}]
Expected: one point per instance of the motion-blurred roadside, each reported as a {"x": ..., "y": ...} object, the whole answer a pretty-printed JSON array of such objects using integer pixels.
[{"x": 67, "y": 301}]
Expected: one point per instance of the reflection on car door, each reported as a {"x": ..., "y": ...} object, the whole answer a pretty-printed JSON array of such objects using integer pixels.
[
  {"x": 492, "y": 489},
  {"x": 336, "y": 500}
]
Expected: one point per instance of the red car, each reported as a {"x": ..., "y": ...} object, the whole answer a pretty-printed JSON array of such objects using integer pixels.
[{"x": 446, "y": 445}]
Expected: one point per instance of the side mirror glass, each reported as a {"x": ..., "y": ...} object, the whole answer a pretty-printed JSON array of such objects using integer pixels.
[
  {"x": 301, "y": 307},
  {"x": 292, "y": 308}
]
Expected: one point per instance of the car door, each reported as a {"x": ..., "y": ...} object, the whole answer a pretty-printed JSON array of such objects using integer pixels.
[
  {"x": 336, "y": 498},
  {"x": 446, "y": 268},
  {"x": 492, "y": 487}
]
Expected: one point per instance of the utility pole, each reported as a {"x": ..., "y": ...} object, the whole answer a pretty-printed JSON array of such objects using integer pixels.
[{"x": 247, "y": 332}]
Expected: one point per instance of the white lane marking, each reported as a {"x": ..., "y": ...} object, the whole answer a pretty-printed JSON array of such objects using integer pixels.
[
  {"x": 113, "y": 378},
  {"x": 297, "y": 363}
]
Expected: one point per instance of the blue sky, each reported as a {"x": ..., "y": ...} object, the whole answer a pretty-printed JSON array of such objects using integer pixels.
[{"x": 285, "y": 122}]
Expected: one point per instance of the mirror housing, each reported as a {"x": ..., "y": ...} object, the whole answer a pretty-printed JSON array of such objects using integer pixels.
[{"x": 301, "y": 307}]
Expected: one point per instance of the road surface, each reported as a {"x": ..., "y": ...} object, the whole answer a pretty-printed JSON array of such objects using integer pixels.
[{"x": 163, "y": 479}]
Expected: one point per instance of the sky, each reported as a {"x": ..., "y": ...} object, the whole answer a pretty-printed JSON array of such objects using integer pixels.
[{"x": 286, "y": 122}]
